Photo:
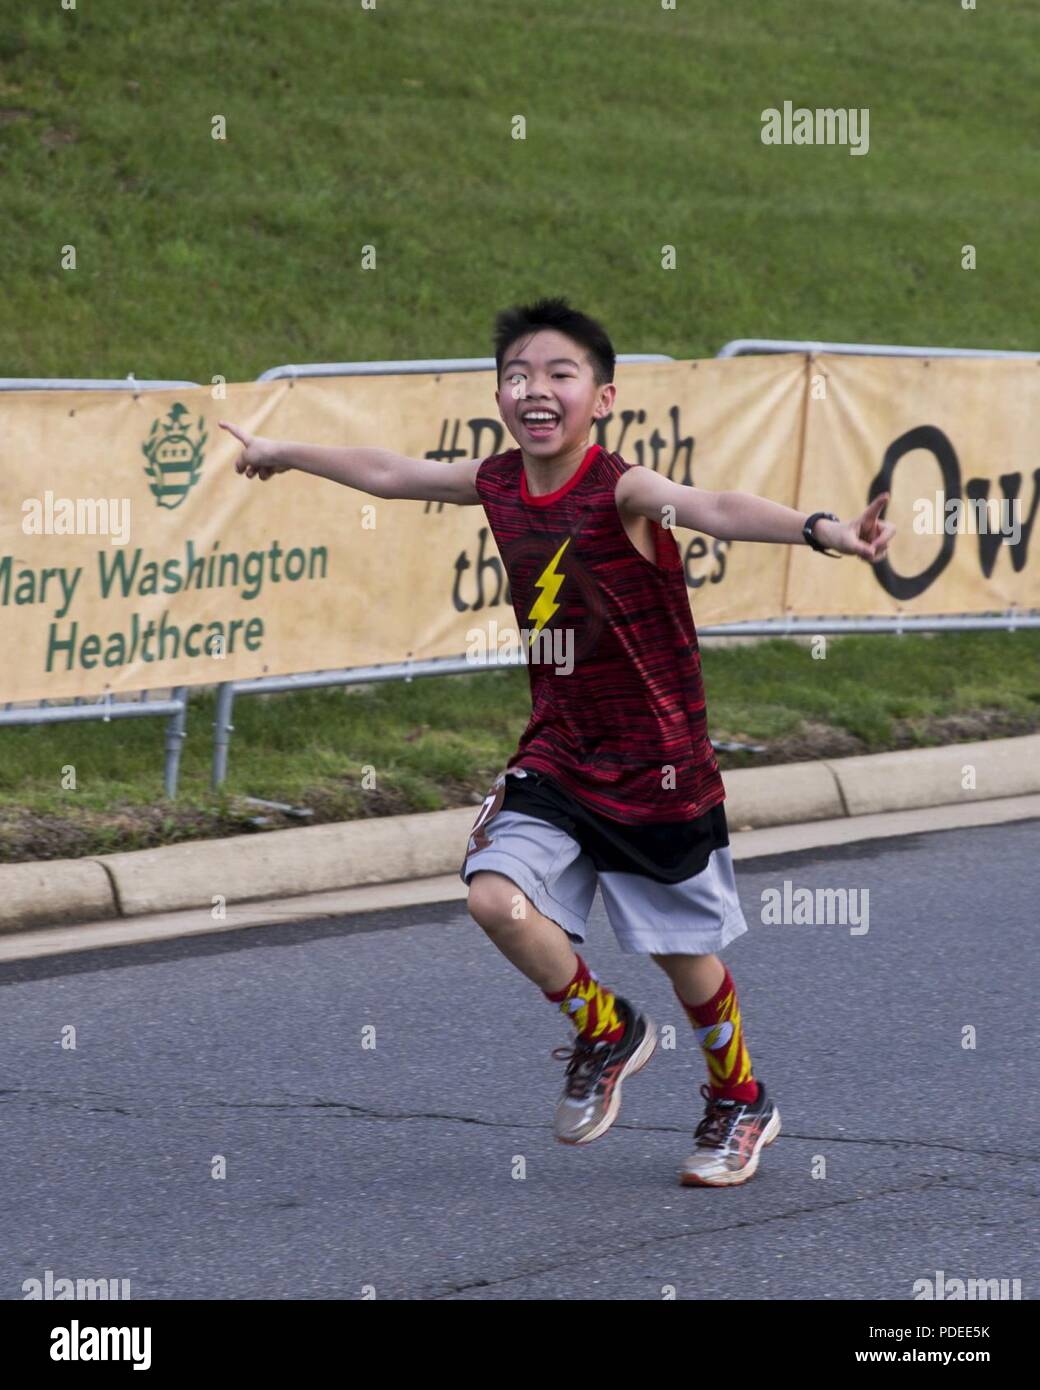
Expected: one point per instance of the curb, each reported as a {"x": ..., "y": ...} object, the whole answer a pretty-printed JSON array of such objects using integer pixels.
[{"x": 388, "y": 849}]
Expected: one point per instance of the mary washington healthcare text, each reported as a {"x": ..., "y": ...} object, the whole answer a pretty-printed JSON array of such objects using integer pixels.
[{"x": 125, "y": 574}]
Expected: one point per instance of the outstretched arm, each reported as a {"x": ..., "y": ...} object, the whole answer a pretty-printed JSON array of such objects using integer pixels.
[
  {"x": 741, "y": 516},
  {"x": 376, "y": 471}
]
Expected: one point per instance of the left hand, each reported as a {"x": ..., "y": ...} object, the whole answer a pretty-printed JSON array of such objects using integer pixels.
[{"x": 868, "y": 536}]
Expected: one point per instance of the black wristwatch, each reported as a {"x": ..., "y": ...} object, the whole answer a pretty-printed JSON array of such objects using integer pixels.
[{"x": 810, "y": 539}]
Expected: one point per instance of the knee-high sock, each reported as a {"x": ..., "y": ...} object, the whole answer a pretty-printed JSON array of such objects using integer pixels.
[
  {"x": 590, "y": 1007},
  {"x": 721, "y": 1036}
]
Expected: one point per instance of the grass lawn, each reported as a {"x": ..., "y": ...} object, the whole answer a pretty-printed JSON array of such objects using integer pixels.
[
  {"x": 392, "y": 127},
  {"x": 439, "y": 742}
]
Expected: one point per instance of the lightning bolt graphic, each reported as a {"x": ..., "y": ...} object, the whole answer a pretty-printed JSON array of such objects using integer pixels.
[{"x": 549, "y": 581}]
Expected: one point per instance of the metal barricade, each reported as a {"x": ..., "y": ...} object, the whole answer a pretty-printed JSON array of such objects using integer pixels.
[
  {"x": 174, "y": 708},
  {"x": 418, "y": 365},
  {"x": 748, "y": 347},
  {"x": 67, "y": 383}
]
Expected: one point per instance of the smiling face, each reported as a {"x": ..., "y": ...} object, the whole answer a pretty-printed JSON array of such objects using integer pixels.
[{"x": 550, "y": 375}]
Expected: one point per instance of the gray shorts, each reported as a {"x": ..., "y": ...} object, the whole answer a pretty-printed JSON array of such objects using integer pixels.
[{"x": 697, "y": 916}]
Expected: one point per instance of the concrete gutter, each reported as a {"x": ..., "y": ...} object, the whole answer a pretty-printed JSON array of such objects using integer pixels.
[{"x": 213, "y": 874}]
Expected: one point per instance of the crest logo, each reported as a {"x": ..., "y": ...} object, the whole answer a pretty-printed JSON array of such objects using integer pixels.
[{"x": 174, "y": 458}]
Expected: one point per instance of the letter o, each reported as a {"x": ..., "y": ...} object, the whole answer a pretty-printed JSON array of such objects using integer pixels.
[{"x": 932, "y": 438}]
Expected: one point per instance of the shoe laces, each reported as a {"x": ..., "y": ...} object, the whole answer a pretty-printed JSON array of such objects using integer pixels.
[
  {"x": 716, "y": 1129},
  {"x": 585, "y": 1061}
]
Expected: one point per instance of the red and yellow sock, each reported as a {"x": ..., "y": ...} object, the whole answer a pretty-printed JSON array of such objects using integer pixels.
[
  {"x": 592, "y": 1009},
  {"x": 721, "y": 1036}
]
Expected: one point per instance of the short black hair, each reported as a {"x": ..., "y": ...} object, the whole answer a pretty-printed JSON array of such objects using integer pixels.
[{"x": 523, "y": 319}]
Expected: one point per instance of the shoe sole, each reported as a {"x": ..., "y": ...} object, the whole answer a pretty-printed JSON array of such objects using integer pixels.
[
  {"x": 746, "y": 1173},
  {"x": 635, "y": 1063}
]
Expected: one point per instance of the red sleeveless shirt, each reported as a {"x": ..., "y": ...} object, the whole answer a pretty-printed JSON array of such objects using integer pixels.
[{"x": 625, "y": 731}]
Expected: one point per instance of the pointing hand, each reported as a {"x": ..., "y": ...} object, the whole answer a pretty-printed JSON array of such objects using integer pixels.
[{"x": 259, "y": 456}]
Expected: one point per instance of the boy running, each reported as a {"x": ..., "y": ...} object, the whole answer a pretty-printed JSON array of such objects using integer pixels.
[{"x": 614, "y": 781}]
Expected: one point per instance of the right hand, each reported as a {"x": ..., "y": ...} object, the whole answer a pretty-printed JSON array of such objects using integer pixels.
[{"x": 258, "y": 457}]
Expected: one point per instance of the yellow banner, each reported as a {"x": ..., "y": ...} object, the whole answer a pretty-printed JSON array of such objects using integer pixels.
[
  {"x": 132, "y": 556},
  {"x": 954, "y": 441}
]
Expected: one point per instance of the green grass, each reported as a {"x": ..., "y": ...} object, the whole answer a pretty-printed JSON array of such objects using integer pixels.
[
  {"x": 882, "y": 691},
  {"x": 391, "y": 127},
  {"x": 439, "y": 742}
]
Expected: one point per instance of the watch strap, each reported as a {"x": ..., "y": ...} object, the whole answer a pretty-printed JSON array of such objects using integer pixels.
[{"x": 810, "y": 539}]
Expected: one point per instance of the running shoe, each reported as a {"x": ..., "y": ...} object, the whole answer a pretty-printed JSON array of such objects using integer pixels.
[
  {"x": 729, "y": 1140},
  {"x": 591, "y": 1095}
]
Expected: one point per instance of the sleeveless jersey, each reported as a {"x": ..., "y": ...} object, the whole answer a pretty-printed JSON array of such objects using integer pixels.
[{"x": 624, "y": 731}]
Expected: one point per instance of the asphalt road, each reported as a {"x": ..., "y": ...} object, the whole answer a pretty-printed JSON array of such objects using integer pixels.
[{"x": 396, "y": 1168}]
